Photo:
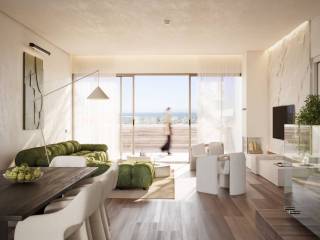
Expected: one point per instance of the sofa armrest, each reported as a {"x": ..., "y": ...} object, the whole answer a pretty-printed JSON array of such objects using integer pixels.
[{"x": 94, "y": 147}]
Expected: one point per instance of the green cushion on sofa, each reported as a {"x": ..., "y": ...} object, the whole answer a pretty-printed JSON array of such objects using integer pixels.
[
  {"x": 102, "y": 166},
  {"x": 33, "y": 157},
  {"x": 76, "y": 145},
  {"x": 94, "y": 147},
  {"x": 56, "y": 150},
  {"x": 81, "y": 153},
  {"x": 69, "y": 147},
  {"x": 36, "y": 157},
  {"x": 98, "y": 156}
]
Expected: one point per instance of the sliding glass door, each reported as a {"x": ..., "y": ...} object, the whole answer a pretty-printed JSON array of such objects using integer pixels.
[
  {"x": 216, "y": 103},
  {"x": 203, "y": 109},
  {"x": 145, "y": 100},
  {"x": 127, "y": 115}
]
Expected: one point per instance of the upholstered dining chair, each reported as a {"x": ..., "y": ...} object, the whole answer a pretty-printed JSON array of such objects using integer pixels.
[
  {"x": 197, "y": 151},
  {"x": 237, "y": 173},
  {"x": 207, "y": 174},
  {"x": 98, "y": 221},
  {"x": 67, "y": 223},
  {"x": 107, "y": 180},
  {"x": 215, "y": 148}
]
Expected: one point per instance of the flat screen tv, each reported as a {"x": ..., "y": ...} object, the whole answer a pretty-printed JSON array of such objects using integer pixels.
[{"x": 282, "y": 115}]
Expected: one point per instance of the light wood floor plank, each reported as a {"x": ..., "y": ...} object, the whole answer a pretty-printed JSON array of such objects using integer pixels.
[{"x": 193, "y": 215}]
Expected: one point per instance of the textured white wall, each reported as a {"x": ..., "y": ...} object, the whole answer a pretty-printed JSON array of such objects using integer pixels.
[
  {"x": 315, "y": 37},
  {"x": 57, "y": 71},
  {"x": 289, "y": 75}
]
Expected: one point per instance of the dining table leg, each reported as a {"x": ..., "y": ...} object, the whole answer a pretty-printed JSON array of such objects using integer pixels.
[{"x": 4, "y": 230}]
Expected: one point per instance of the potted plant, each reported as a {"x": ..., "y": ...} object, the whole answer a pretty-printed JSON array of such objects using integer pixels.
[{"x": 309, "y": 115}]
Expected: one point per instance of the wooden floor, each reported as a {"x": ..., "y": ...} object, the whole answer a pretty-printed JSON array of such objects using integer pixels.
[{"x": 192, "y": 215}]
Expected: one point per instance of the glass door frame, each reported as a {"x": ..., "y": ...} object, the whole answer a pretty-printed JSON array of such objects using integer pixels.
[{"x": 132, "y": 76}]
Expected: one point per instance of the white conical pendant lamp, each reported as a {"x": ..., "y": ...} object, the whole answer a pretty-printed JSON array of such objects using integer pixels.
[{"x": 98, "y": 93}]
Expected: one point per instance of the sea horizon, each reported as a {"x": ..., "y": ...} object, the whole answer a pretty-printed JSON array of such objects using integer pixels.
[{"x": 158, "y": 117}]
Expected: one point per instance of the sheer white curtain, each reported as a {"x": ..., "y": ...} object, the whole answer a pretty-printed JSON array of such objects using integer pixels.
[
  {"x": 219, "y": 111},
  {"x": 97, "y": 121}
]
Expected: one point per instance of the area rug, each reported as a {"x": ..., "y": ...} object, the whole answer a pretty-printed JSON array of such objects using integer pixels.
[{"x": 161, "y": 188}]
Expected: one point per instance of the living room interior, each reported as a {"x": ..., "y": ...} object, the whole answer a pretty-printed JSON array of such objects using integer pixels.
[{"x": 160, "y": 119}]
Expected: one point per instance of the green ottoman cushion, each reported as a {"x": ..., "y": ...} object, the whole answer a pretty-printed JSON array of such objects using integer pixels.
[
  {"x": 142, "y": 175},
  {"x": 133, "y": 174},
  {"x": 125, "y": 175}
]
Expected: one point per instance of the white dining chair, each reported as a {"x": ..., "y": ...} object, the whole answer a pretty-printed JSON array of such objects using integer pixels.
[
  {"x": 215, "y": 148},
  {"x": 197, "y": 151},
  {"x": 237, "y": 173},
  {"x": 98, "y": 221},
  {"x": 115, "y": 169},
  {"x": 68, "y": 223},
  {"x": 207, "y": 174},
  {"x": 107, "y": 181},
  {"x": 68, "y": 161}
]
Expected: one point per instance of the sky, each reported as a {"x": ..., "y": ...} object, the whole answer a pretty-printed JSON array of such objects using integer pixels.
[{"x": 156, "y": 93}]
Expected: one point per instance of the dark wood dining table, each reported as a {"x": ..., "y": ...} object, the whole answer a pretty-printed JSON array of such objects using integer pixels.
[{"x": 21, "y": 200}]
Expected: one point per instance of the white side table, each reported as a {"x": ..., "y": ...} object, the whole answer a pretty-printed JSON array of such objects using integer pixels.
[{"x": 162, "y": 170}]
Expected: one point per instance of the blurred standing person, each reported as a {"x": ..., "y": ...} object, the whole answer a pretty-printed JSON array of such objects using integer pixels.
[{"x": 167, "y": 131}]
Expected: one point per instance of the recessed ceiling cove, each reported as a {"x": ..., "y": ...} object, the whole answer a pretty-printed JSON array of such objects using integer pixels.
[{"x": 112, "y": 27}]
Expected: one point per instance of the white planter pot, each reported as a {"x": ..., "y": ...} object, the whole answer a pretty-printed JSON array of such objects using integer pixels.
[
  {"x": 315, "y": 150},
  {"x": 302, "y": 139}
]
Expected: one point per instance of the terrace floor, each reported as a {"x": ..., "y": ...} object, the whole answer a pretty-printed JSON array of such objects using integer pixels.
[
  {"x": 158, "y": 157},
  {"x": 192, "y": 215}
]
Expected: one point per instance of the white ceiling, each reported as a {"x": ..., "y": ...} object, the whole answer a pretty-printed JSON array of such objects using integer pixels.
[{"x": 109, "y": 27}]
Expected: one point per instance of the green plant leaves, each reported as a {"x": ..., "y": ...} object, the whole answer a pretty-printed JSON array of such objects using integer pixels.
[{"x": 309, "y": 114}]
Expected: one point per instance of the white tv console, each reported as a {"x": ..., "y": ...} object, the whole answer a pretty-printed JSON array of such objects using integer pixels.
[{"x": 266, "y": 166}]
